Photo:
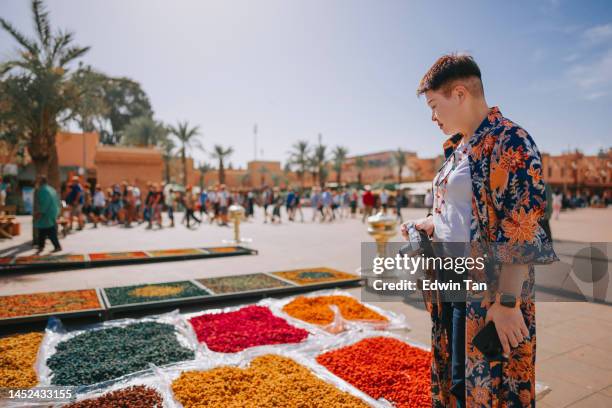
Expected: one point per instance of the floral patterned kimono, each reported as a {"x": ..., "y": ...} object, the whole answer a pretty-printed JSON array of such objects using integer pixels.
[{"x": 508, "y": 201}]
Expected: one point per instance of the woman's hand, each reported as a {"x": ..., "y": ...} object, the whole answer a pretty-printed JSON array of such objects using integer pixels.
[
  {"x": 509, "y": 324},
  {"x": 424, "y": 224}
]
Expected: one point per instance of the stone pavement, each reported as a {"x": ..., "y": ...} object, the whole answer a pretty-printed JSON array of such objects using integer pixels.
[{"x": 574, "y": 338}]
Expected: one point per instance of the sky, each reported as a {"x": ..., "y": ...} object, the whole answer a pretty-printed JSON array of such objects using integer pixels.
[{"x": 345, "y": 69}]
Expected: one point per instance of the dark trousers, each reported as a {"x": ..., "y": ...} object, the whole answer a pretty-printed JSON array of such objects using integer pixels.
[
  {"x": 454, "y": 320},
  {"x": 51, "y": 233},
  {"x": 189, "y": 214}
]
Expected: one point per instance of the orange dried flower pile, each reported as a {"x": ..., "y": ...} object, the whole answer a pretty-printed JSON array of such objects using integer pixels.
[
  {"x": 384, "y": 367},
  {"x": 269, "y": 381},
  {"x": 17, "y": 358},
  {"x": 317, "y": 309}
]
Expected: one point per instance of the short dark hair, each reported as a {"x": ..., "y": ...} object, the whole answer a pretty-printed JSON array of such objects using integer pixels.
[{"x": 447, "y": 69}]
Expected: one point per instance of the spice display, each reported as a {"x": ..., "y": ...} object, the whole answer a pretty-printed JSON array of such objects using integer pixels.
[
  {"x": 152, "y": 292},
  {"x": 48, "y": 303},
  {"x": 269, "y": 381},
  {"x": 384, "y": 367},
  {"x": 105, "y": 354},
  {"x": 317, "y": 309},
  {"x": 17, "y": 359},
  {"x": 37, "y": 259},
  {"x": 242, "y": 283},
  {"x": 137, "y": 396},
  {"x": 310, "y": 276},
  {"x": 117, "y": 256},
  {"x": 176, "y": 252},
  {"x": 249, "y": 326}
]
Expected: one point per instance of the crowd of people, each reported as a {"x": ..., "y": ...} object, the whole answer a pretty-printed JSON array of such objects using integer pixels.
[{"x": 125, "y": 204}]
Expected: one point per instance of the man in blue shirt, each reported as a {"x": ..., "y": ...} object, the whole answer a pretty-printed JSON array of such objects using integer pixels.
[{"x": 75, "y": 200}]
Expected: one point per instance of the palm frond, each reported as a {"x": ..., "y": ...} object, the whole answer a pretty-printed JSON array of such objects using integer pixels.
[
  {"x": 41, "y": 20},
  {"x": 60, "y": 42},
  {"x": 71, "y": 54},
  {"x": 25, "y": 42}
]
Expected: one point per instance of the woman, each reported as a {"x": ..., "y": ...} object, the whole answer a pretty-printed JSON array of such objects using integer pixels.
[{"x": 489, "y": 192}]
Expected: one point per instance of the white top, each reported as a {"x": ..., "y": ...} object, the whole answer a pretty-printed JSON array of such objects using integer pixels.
[
  {"x": 384, "y": 197},
  {"x": 99, "y": 200},
  {"x": 453, "y": 201}
]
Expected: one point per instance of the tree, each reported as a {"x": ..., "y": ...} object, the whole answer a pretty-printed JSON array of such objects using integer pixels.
[
  {"x": 40, "y": 92},
  {"x": 144, "y": 131},
  {"x": 299, "y": 157},
  {"x": 126, "y": 101},
  {"x": 167, "y": 145},
  {"x": 220, "y": 153},
  {"x": 12, "y": 145},
  {"x": 203, "y": 168},
  {"x": 314, "y": 169},
  {"x": 320, "y": 160},
  {"x": 360, "y": 164},
  {"x": 187, "y": 138},
  {"x": 399, "y": 158},
  {"x": 339, "y": 157},
  {"x": 90, "y": 113}
]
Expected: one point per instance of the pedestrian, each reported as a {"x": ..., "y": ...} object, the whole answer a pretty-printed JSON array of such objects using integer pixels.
[
  {"x": 189, "y": 204},
  {"x": 384, "y": 200},
  {"x": 75, "y": 199},
  {"x": 45, "y": 218},
  {"x": 368, "y": 203},
  {"x": 99, "y": 203},
  {"x": 353, "y": 202},
  {"x": 478, "y": 200},
  {"x": 557, "y": 201}
]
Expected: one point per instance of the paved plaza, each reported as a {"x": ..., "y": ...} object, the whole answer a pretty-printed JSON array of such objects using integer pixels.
[{"x": 574, "y": 338}]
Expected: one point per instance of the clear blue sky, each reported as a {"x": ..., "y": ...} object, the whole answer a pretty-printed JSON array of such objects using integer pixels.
[{"x": 347, "y": 69}]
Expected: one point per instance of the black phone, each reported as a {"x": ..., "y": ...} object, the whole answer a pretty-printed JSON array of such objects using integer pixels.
[{"x": 487, "y": 341}]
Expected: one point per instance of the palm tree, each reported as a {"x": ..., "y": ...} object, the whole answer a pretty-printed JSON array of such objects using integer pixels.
[
  {"x": 399, "y": 158},
  {"x": 299, "y": 157},
  {"x": 167, "y": 146},
  {"x": 314, "y": 169},
  {"x": 360, "y": 164},
  {"x": 320, "y": 160},
  {"x": 220, "y": 153},
  {"x": 203, "y": 168},
  {"x": 339, "y": 157},
  {"x": 40, "y": 90},
  {"x": 187, "y": 138}
]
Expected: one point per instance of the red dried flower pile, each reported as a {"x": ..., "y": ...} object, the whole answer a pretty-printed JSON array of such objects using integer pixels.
[
  {"x": 384, "y": 367},
  {"x": 249, "y": 326}
]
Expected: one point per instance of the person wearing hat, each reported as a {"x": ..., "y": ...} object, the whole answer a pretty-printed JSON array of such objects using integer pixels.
[
  {"x": 188, "y": 202},
  {"x": 75, "y": 199}
]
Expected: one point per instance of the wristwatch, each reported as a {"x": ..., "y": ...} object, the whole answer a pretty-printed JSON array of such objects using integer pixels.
[{"x": 508, "y": 300}]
